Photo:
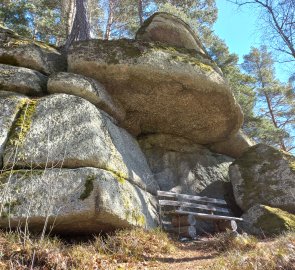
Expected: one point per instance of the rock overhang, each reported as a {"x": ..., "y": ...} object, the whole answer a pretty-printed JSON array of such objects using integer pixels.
[{"x": 163, "y": 89}]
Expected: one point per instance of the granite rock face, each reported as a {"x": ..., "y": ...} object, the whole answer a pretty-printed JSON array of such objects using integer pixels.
[
  {"x": 169, "y": 29},
  {"x": 162, "y": 89},
  {"x": 84, "y": 200},
  {"x": 264, "y": 175},
  {"x": 22, "y": 80},
  {"x": 67, "y": 131},
  {"x": 234, "y": 146},
  {"x": 19, "y": 51},
  {"x": 10, "y": 104},
  {"x": 181, "y": 166},
  {"x": 266, "y": 220},
  {"x": 87, "y": 88}
]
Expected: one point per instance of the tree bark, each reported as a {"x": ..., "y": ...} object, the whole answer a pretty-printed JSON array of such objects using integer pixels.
[
  {"x": 110, "y": 20},
  {"x": 68, "y": 9},
  {"x": 140, "y": 12},
  {"x": 81, "y": 27}
]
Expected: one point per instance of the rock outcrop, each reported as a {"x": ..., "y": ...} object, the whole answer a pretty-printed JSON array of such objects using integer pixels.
[
  {"x": 234, "y": 146},
  {"x": 265, "y": 220},
  {"x": 50, "y": 133},
  {"x": 162, "y": 89},
  {"x": 84, "y": 200},
  {"x": 169, "y": 29},
  {"x": 19, "y": 51},
  {"x": 181, "y": 166},
  {"x": 87, "y": 88},
  {"x": 10, "y": 103},
  {"x": 22, "y": 80},
  {"x": 67, "y": 156},
  {"x": 264, "y": 175}
]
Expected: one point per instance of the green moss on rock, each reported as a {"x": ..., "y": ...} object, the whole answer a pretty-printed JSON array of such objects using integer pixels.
[
  {"x": 88, "y": 187},
  {"x": 23, "y": 122},
  {"x": 275, "y": 221}
]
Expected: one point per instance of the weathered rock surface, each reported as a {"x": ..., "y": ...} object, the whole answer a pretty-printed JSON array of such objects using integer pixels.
[
  {"x": 181, "y": 166},
  {"x": 84, "y": 200},
  {"x": 87, "y": 88},
  {"x": 19, "y": 51},
  {"x": 10, "y": 104},
  {"x": 67, "y": 131},
  {"x": 162, "y": 89},
  {"x": 266, "y": 220},
  {"x": 264, "y": 175},
  {"x": 234, "y": 146},
  {"x": 169, "y": 29},
  {"x": 22, "y": 80}
]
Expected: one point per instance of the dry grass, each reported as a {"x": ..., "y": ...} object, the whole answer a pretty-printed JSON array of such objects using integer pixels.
[
  {"x": 247, "y": 253},
  {"x": 138, "y": 249},
  {"x": 128, "y": 249}
]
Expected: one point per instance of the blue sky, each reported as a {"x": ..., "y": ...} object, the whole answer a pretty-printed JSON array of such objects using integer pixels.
[{"x": 239, "y": 28}]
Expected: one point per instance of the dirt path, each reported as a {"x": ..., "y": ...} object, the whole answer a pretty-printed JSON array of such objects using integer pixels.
[{"x": 190, "y": 255}]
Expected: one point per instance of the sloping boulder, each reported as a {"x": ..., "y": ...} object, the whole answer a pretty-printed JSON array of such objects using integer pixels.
[
  {"x": 169, "y": 29},
  {"x": 162, "y": 89},
  {"x": 87, "y": 88},
  {"x": 67, "y": 131},
  {"x": 19, "y": 51},
  {"x": 84, "y": 200},
  {"x": 266, "y": 220},
  {"x": 234, "y": 146},
  {"x": 22, "y": 80},
  {"x": 264, "y": 175},
  {"x": 10, "y": 104}
]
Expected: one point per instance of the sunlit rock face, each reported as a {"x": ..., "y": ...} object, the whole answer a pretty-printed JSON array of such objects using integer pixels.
[
  {"x": 264, "y": 175},
  {"x": 162, "y": 89}
]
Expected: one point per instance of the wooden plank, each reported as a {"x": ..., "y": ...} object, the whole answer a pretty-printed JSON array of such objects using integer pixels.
[
  {"x": 204, "y": 216},
  {"x": 190, "y": 197},
  {"x": 193, "y": 205}
]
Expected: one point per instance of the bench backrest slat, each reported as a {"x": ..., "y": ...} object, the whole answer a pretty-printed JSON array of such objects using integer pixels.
[
  {"x": 193, "y": 205},
  {"x": 190, "y": 197}
]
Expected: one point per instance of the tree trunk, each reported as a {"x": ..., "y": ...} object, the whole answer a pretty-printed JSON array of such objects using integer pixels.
[
  {"x": 110, "y": 20},
  {"x": 81, "y": 27},
  {"x": 140, "y": 12},
  {"x": 68, "y": 9}
]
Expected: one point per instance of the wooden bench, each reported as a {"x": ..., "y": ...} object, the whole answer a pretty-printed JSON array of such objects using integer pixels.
[{"x": 185, "y": 209}]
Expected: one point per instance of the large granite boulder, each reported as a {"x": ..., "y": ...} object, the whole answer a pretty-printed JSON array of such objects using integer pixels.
[
  {"x": 19, "y": 51},
  {"x": 162, "y": 89},
  {"x": 67, "y": 131},
  {"x": 10, "y": 104},
  {"x": 184, "y": 167},
  {"x": 22, "y": 80},
  {"x": 84, "y": 200},
  {"x": 266, "y": 220},
  {"x": 234, "y": 146},
  {"x": 169, "y": 29},
  {"x": 87, "y": 88},
  {"x": 264, "y": 175}
]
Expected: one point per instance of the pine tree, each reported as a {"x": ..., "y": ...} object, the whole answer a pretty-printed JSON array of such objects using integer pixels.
[{"x": 275, "y": 101}]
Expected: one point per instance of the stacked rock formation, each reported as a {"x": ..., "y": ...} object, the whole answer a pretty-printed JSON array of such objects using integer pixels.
[{"x": 85, "y": 145}]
